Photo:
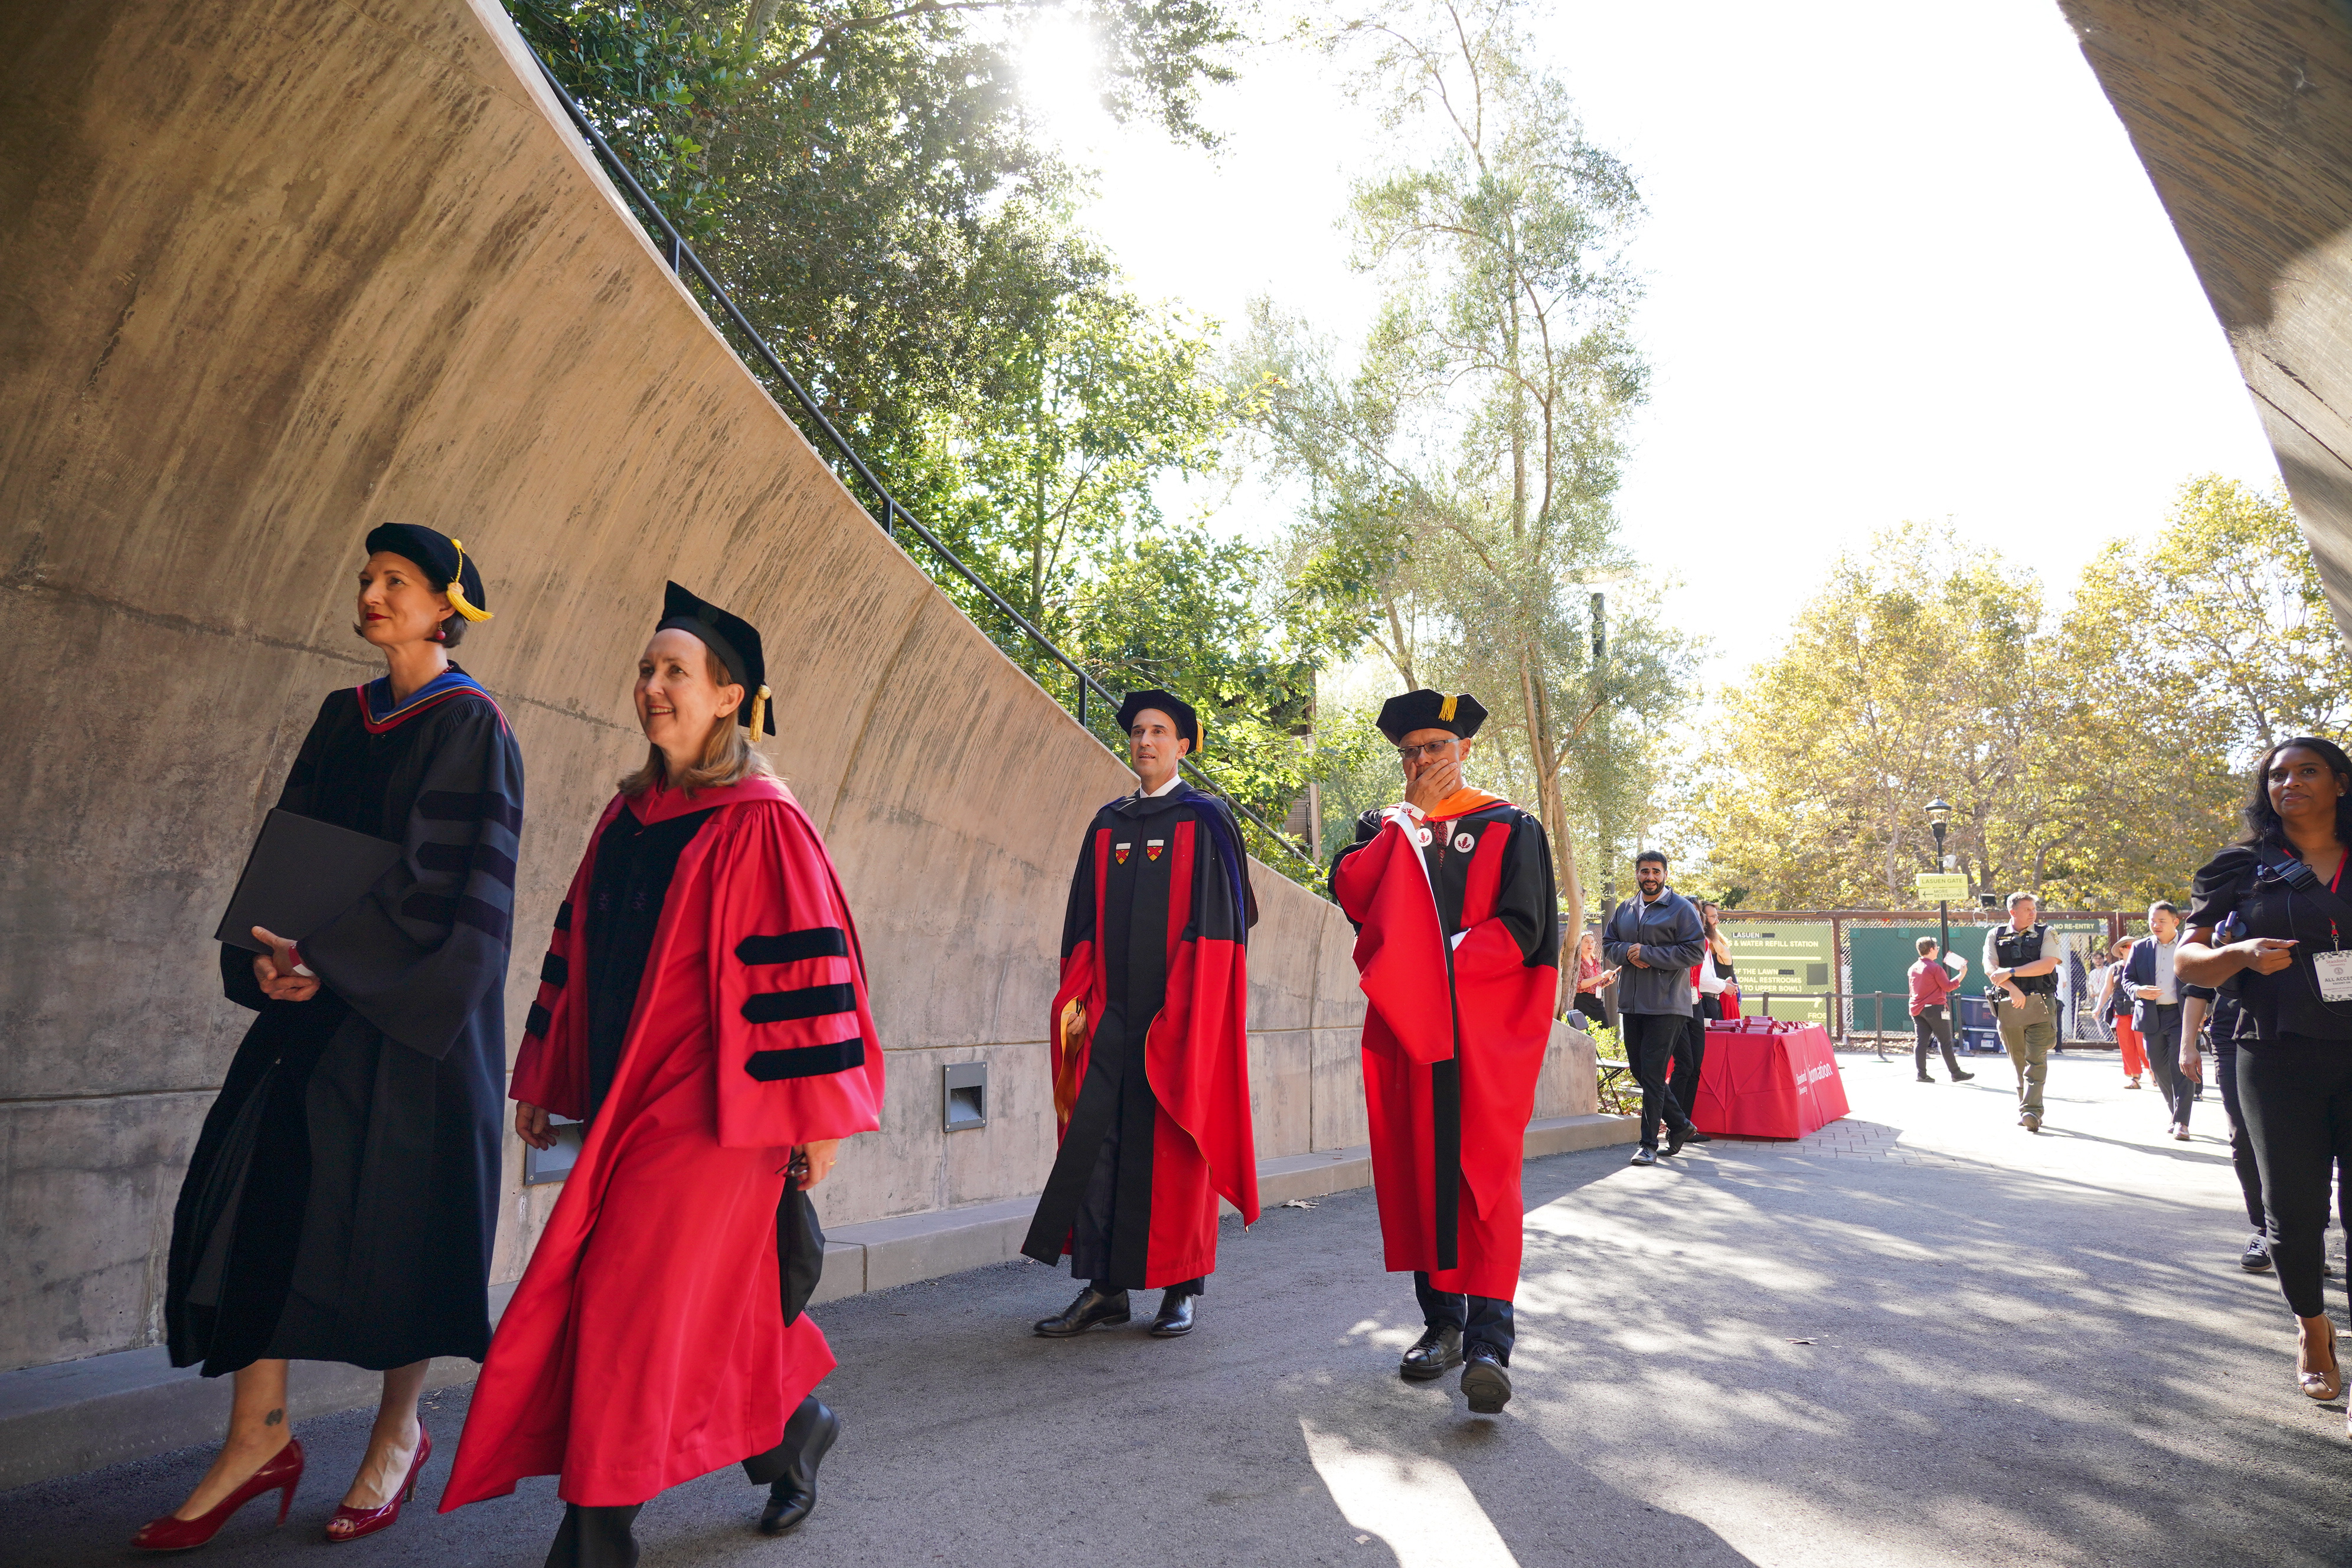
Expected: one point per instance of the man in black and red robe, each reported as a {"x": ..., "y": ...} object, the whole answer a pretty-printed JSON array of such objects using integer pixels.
[
  {"x": 1458, "y": 947},
  {"x": 1150, "y": 1040}
]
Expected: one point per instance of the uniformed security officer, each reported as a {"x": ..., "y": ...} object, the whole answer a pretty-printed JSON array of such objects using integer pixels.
[{"x": 2022, "y": 962}]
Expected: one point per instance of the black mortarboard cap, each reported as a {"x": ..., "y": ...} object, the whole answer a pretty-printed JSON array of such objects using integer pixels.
[
  {"x": 443, "y": 559},
  {"x": 1187, "y": 722},
  {"x": 734, "y": 642},
  {"x": 1427, "y": 710}
]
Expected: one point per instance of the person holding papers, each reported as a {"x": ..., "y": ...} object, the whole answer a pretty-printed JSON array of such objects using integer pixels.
[{"x": 342, "y": 1196}]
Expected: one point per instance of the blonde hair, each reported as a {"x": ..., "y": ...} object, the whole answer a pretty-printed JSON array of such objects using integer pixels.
[{"x": 727, "y": 757}]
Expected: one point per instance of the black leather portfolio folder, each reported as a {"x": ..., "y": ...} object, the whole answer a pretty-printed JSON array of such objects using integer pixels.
[{"x": 302, "y": 874}]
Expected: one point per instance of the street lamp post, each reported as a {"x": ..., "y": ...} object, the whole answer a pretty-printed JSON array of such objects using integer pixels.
[{"x": 1939, "y": 817}]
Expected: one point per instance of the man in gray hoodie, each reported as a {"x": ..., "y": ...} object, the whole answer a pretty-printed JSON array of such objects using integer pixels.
[{"x": 1655, "y": 937}]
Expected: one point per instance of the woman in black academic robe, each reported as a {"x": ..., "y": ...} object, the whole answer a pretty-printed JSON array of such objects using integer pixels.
[{"x": 342, "y": 1201}]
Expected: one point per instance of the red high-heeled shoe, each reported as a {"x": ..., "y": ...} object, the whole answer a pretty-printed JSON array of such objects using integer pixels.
[
  {"x": 282, "y": 1474},
  {"x": 349, "y": 1524}
]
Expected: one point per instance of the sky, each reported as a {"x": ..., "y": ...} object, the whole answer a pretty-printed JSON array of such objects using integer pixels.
[{"x": 1900, "y": 263}]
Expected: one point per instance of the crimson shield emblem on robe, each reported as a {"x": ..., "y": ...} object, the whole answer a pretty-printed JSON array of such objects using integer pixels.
[
  {"x": 1118, "y": 852},
  {"x": 1152, "y": 848}
]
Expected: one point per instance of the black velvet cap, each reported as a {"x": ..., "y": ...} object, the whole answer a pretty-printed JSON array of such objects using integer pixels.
[
  {"x": 442, "y": 559},
  {"x": 733, "y": 641},
  {"x": 1427, "y": 710},
  {"x": 1187, "y": 722}
]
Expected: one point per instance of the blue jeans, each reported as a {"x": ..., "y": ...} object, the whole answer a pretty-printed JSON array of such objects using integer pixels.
[{"x": 1483, "y": 1320}]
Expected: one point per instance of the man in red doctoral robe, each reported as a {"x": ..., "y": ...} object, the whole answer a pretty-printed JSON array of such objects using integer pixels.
[
  {"x": 703, "y": 1009},
  {"x": 1151, "y": 1041},
  {"x": 1458, "y": 947}
]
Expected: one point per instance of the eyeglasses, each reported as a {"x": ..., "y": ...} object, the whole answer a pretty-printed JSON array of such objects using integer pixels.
[{"x": 1430, "y": 749}]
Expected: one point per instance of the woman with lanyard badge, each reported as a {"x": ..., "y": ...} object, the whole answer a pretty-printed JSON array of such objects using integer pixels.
[{"x": 2285, "y": 880}]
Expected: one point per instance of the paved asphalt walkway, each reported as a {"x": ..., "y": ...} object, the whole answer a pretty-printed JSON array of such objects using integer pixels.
[{"x": 1921, "y": 1336}]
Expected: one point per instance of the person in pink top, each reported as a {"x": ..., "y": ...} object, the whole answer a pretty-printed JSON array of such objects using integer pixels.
[{"x": 1933, "y": 980}]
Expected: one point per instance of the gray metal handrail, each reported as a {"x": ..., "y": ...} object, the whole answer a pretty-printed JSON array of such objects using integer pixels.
[{"x": 683, "y": 260}]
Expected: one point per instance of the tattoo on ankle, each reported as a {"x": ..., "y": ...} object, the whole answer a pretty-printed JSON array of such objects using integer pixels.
[{"x": 273, "y": 1418}]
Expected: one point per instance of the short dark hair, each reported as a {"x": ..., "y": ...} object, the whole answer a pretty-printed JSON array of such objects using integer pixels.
[
  {"x": 1649, "y": 855},
  {"x": 1925, "y": 945},
  {"x": 2168, "y": 906}
]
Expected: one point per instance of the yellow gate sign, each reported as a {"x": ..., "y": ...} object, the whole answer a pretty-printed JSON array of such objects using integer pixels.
[{"x": 1943, "y": 887}]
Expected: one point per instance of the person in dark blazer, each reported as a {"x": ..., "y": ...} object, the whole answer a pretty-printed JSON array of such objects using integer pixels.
[{"x": 343, "y": 1197}]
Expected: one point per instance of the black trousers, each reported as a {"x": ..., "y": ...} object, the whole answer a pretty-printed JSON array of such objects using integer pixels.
[
  {"x": 2295, "y": 1094},
  {"x": 1650, "y": 1041},
  {"x": 1483, "y": 1320},
  {"x": 2241, "y": 1146},
  {"x": 2160, "y": 1027},
  {"x": 1690, "y": 1053},
  {"x": 1931, "y": 1027}
]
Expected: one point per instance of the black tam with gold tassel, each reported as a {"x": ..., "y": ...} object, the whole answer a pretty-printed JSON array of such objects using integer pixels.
[{"x": 734, "y": 642}]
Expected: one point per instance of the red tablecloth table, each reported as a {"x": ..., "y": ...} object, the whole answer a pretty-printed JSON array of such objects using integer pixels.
[{"x": 1781, "y": 1083}]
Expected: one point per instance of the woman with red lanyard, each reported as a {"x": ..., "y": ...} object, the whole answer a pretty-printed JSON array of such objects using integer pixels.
[
  {"x": 2114, "y": 1000},
  {"x": 2286, "y": 879}
]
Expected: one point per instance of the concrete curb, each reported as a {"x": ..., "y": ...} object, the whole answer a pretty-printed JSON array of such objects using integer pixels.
[{"x": 80, "y": 1415}]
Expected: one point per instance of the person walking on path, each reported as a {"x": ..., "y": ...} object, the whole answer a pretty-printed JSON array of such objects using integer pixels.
[
  {"x": 1457, "y": 946},
  {"x": 1151, "y": 1036},
  {"x": 2284, "y": 878},
  {"x": 2115, "y": 1007},
  {"x": 1934, "y": 981},
  {"x": 703, "y": 1010},
  {"x": 342, "y": 1198},
  {"x": 1654, "y": 938},
  {"x": 2020, "y": 960},
  {"x": 2155, "y": 1013}
]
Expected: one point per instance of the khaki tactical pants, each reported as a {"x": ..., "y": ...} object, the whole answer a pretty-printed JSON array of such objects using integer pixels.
[{"x": 2028, "y": 1033}]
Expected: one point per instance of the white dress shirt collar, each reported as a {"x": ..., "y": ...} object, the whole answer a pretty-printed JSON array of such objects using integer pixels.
[{"x": 1173, "y": 780}]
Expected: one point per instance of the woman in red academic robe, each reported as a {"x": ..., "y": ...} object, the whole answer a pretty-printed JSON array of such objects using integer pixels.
[{"x": 703, "y": 1010}]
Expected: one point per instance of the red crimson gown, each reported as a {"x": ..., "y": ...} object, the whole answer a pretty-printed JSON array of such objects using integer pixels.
[
  {"x": 1458, "y": 949},
  {"x": 1152, "y": 1102},
  {"x": 645, "y": 1344}
]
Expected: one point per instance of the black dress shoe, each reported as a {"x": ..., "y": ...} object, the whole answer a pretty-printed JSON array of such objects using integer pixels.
[
  {"x": 1695, "y": 1136},
  {"x": 1644, "y": 1156},
  {"x": 790, "y": 1468},
  {"x": 1486, "y": 1382},
  {"x": 1091, "y": 1308},
  {"x": 595, "y": 1538},
  {"x": 1174, "y": 1319},
  {"x": 1924, "y": 1078},
  {"x": 1675, "y": 1139},
  {"x": 1958, "y": 1077},
  {"x": 1437, "y": 1353}
]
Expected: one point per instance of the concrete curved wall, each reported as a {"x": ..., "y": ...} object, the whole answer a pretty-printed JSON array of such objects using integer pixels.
[{"x": 278, "y": 272}]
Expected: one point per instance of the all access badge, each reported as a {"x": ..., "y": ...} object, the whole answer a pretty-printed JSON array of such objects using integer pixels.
[{"x": 1464, "y": 843}]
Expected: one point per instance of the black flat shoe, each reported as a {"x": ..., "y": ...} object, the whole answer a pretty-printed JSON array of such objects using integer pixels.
[
  {"x": 790, "y": 1468},
  {"x": 1437, "y": 1353},
  {"x": 1675, "y": 1141},
  {"x": 1962, "y": 1077},
  {"x": 1174, "y": 1319},
  {"x": 1091, "y": 1308},
  {"x": 1643, "y": 1157},
  {"x": 2256, "y": 1258},
  {"x": 1924, "y": 1078},
  {"x": 1695, "y": 1136},
  {"x": 1486, "y": 1382}
]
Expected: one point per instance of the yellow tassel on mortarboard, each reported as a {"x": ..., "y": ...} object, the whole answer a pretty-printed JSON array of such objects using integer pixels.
[
  {"x": 458, "y": 600},
  {"x": 759, "y": 713},
  {"x": 1446, "y": 710}
]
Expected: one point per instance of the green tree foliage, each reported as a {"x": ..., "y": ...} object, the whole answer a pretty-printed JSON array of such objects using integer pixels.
[
  {"x": 1470, "y": 459},
  {"x": 2094, "y": 759}
]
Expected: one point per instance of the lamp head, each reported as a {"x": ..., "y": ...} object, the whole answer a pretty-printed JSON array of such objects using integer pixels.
[{"x": 1938, "y": 812}]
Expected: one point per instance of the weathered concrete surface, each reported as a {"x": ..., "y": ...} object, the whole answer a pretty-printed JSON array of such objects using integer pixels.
[
  {"x": 1921, "y": 1338},
  {"x": 2242, "y": 113},
  {"x": 273, "y": 271}
]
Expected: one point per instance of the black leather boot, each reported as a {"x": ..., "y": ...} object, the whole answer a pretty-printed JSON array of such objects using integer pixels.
[
  {"x": 1091, "y": 1308},
  {"x": 789, "y": 1470},
  {"x": 1174, "y": 1319},
  {"x": 1486, "y": 1382},
  {"x": 595, "y": 1538},
  {"x": 1438, "y": 1349}
]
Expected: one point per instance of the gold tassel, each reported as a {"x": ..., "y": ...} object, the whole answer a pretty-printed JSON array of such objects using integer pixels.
[
  {"x": 1446, "y": 710},
  {"x": 759, "y": 713},
  {"x": 458, "y": 600}
]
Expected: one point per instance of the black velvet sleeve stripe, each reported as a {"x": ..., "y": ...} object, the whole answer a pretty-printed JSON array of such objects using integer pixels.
[
  {"x": 438, "y": 907},
  {"x": 807, "y": 1061},
  {"x": 464, "y": 857},
  {"x": 807, "y": 1002},
  {"x": 487, "y": 918},
  {"x": 563, "y": 915},
  {"x": 553, "y": 969},
  {"x": 469, "y": 805},
  {"x": 535, "y": 1025},
  {"x": 817, "y": 942}
]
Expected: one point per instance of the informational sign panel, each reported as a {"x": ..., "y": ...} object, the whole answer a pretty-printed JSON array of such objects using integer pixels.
[
  {"x": 1942, "y": 887},
  {"x": 1792, "y": 962}
]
